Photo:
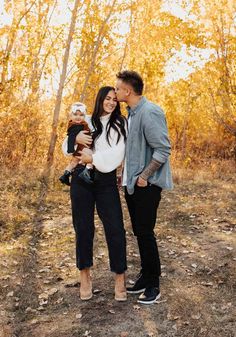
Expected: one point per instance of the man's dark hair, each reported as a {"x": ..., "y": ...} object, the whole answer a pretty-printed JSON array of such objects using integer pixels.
[{"x": 132, "y": 78}]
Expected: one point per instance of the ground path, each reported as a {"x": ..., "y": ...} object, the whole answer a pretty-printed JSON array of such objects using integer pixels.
[{"x": 196, "y": 233}]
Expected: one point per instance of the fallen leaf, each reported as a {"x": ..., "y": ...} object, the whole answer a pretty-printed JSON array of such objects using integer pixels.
[
  {"x": 44, "y": 270},
  {"x": 194, "y": 265},
  {"x": 43, "y": 302},
  {"x": 131, "y": 282},
  {"x": 135, "y": 255},
  {"x": 60, "y": 300},
  {"x": 10, "y": 294},
  {"x": 197, "y": 316},
  {"x": 40, "y": 308},
  {"x": 52, "y": 291},
  {"x": 43, "y": 296},
  {"x": 111, "y": 312},
  {"x": 136, "y": 307},
  {"x": 171, "y": 252},
  {"x": 34, "y": 321},
  {"x": 163, "y": 301},
  {"x": 207, "y": 284},
  {"x": 186, "y": 323},
  {"x": 124, "y": 334},
  {"x": 29, "y": 309}
]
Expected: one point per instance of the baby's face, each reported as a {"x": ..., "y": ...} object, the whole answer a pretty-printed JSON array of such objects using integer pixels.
[{"x": 78, "y": 116}]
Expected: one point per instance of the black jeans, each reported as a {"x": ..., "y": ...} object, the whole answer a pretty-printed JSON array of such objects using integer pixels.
[
  {"x": 105, "y": 195},
  {"x": 142, "y": 205}
]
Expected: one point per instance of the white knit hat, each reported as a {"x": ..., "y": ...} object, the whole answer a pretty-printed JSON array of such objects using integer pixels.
[{"x": 78, "y": 106}]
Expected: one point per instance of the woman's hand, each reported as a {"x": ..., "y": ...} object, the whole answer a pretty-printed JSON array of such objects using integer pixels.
[
  {"x": 141, "y": 182},
  {"x": 85, "y": 158},
  {"x": 84, "y": 139}
]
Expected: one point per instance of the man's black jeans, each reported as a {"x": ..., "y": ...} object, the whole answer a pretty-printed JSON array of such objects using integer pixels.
[
  {"x": 105, "y": 195},
  {"x": 142, "y": 205}
]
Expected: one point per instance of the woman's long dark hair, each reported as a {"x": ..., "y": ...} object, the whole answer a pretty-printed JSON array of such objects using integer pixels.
[{"x": 116, "y": 121}]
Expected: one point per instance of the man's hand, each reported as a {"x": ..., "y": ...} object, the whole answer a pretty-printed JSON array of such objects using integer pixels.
[
  {"x": 141, "y": 182},
  {"x": 85, "y": 158},
  {"x": 84, "y": 139}
]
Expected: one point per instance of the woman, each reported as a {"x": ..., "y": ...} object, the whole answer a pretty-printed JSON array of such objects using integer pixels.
[{"x": 108, "y": 152}]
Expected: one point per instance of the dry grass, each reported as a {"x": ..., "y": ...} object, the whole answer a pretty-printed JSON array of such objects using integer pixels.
[
  {"x": 203, "y": 172},
  {"x": 196, "y": 234}
]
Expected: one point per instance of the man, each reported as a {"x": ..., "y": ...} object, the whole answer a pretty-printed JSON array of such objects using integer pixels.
[{"x": 146, "y": 173}]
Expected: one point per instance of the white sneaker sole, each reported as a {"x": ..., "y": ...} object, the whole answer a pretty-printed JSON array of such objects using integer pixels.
[
  {"x": 136, "y": 291},
  {"x": 150, "y": 302}
]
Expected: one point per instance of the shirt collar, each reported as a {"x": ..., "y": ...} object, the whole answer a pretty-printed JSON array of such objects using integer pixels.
[{"x": 136, "y": 108}]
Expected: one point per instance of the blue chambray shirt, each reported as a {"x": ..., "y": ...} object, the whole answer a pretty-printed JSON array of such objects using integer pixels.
[{"x": 147, "y": 139}]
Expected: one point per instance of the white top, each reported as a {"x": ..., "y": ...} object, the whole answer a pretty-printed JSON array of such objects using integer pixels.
[
  {"x": 124, "y": 173},
  {"x": 106, "y": 158}
]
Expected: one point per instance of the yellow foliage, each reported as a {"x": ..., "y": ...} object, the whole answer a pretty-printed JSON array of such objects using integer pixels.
[{"x": 137, "y": 35}]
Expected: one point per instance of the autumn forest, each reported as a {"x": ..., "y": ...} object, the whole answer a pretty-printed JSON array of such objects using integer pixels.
[{"x": 56, "y": 52}]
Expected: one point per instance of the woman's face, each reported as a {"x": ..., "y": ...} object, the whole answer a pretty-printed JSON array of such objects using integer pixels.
[{"x": 109, "y": 103}]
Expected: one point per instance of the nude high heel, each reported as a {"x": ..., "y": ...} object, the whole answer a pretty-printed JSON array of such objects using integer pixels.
[
  {"x": 85, "y": 285},
  {"x": 120, "y": 289}
]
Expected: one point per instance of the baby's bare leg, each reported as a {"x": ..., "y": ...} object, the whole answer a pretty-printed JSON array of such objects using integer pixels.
[
  {"x": 88, "y": 151},
  {"x": 73, "y": 163}
]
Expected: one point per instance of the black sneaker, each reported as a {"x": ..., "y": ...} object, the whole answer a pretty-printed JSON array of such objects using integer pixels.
[
  {"x": 150, "y": 296},
  {"x": 138, "y": 287},
  {"x": 86, "y": 175},
  {"x": 65, "y": 178}
]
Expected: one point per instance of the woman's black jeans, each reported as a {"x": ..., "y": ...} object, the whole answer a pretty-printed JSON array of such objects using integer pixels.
[
  {"x": 105, "y": 195},
  {"x": 142, "y": 205}
]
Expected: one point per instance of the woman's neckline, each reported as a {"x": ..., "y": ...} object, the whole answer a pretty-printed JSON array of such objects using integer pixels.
[{"x": 105, "y": 117}]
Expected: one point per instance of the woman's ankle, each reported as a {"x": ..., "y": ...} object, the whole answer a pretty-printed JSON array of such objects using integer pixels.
[
  {"x": 120, "y": 280},
  {"x": 120, "y": 288},
  {"x": 85, "y": 276},
  {"x": 85, "y": 284}
]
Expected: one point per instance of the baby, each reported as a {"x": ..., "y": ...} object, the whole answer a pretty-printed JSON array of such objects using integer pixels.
[{"x": 76, "y": 124}]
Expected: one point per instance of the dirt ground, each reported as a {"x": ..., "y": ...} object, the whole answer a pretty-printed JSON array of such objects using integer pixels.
[{"x": 39, "y": 284}]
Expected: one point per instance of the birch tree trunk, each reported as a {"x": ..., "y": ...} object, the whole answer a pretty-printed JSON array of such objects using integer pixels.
[
  {"x": 60, "y": 90},
  {"x": 185, "y": 125},
  {"x": 10, "y": 42},
  {"x": 95, "y": 51}
]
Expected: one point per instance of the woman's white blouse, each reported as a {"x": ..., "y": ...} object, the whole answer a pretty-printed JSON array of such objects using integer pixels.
[{"x": 106, "y": 158}]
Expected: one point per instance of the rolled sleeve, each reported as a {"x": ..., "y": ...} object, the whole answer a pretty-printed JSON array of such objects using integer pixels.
[{"x": 156, "y": 134}]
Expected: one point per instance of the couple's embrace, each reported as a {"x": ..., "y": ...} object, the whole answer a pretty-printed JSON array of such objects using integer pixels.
[{"x": 141, "y": 144}]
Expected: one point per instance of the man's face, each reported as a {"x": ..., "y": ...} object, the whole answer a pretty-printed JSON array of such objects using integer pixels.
[{"x": 123, "y": 91}]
